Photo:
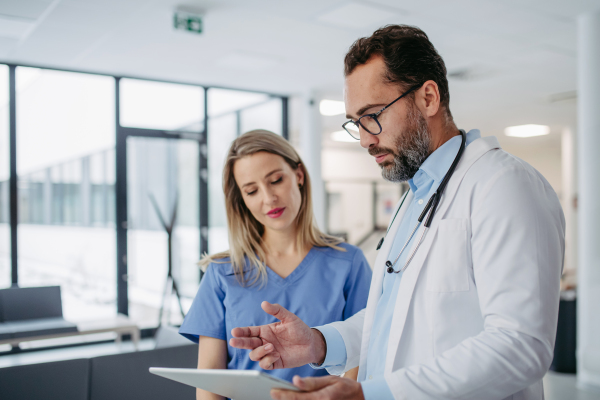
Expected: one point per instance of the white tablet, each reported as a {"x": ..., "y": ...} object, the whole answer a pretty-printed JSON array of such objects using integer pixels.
[{"x": 235, "y": 384}]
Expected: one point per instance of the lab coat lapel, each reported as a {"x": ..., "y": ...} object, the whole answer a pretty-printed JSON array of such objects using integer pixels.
[
  {"x": 377, "y": 281},
  {"x": 409, "y": 277}
]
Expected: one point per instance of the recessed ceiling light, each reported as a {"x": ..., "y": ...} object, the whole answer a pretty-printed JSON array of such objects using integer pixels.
[
  {"x": 342, "y": 136},
  {"x": 527, "y": 130},
  {"x": 332, "y": 107},
  {"x": 355, "y": 15}
]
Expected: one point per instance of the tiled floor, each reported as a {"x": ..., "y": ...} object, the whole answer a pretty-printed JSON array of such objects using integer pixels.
[{"x": 564, "y": 387}]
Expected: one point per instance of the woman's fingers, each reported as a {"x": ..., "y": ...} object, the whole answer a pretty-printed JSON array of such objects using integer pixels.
[
  {"x": 258, "y": 353},
  {"x": 245, "y": 343}
]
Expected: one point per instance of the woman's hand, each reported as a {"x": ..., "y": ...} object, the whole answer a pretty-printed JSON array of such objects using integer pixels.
[{"x": 289, "y": 343}]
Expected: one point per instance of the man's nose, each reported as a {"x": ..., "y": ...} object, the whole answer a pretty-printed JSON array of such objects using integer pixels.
[{"x": 366, "y": 139}]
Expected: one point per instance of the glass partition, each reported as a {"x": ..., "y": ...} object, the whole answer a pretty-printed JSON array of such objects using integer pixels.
[
  {"x": 162, "y": 177},
  {"x": 66, "y": 168},
  {"x": 266, "y": 115},
  {"x": 5, "y": 264},
  {"x": 66, "y": 175},
  {"x": 232, "y": 113},
  {"x": 163, "y": 106}
]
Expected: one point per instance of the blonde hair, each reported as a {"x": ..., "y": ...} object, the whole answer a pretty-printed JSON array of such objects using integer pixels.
[{"x": 245, "y": 232}]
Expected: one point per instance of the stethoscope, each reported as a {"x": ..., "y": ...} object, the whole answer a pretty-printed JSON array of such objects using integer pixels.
[{"x": 428, "y": 211}]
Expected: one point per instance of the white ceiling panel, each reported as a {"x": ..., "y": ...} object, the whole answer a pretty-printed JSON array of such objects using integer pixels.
[
  {"x": 25, "y": 9},
  {"x": 509, "y": 56}
]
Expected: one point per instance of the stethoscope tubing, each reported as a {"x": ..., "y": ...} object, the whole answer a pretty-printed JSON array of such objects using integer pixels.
[{"x": 429, "y": 211}]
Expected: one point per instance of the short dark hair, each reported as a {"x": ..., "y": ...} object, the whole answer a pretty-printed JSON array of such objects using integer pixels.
[{"x": 409, "y": 56}]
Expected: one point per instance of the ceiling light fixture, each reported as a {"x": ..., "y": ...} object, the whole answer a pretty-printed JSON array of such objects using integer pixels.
[
  {"x": 332, "y": 107},
  {"x": 342, "y": 136},
  {"x": 527, "y": 130}
]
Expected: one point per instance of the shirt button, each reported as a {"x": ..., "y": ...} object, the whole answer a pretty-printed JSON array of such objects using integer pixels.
[
  {"x": 420, "y": 201},
  {"x": 370, "y": 376}
]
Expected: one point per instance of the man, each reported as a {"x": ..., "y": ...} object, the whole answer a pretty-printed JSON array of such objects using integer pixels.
[{"x": 466, "y": 309}]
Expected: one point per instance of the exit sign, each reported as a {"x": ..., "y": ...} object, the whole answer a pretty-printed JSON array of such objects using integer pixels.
[{"x": 187, "y": 22}]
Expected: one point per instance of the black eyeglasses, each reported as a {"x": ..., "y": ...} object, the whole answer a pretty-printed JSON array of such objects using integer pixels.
[{"x": 369, "y": 122}]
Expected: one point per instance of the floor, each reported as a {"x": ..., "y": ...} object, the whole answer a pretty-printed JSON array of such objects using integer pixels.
[{"x": 564, "y": 387}]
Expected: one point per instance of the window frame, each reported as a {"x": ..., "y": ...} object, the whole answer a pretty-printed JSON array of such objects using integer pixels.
[{"x": 122, "y": 133}]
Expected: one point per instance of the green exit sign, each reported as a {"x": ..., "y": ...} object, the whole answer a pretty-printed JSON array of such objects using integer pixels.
[{"x": 187, "y": 22}]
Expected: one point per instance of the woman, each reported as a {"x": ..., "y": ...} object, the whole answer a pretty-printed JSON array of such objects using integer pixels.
[{"x": 276, "y": 254}]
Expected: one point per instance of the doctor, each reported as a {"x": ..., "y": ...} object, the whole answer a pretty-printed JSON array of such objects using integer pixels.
[{"x": 464, "y": 309}]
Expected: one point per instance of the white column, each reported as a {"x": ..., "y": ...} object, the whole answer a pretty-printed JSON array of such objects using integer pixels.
[
  {"x": 588, "y": 138},
  {"x": 569, "y": 202},
  {"x": 310, "y": 151}
]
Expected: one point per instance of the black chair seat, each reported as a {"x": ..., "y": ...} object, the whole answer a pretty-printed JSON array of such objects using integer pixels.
[{"x": 36, "y": 327}]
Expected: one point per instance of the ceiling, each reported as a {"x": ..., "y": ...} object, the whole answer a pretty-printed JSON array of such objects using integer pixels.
[{"x": 510, "y": 62}]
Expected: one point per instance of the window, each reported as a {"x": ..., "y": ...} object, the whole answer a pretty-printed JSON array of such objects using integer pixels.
[
  {"x": 5, "y": 264},
  {"x": 66, "y": 175},
  {"x": 164, "y": 106},
  {"x": 232, "y": 113},
  {"x": 163, "y": 174},
  {"x": 66, "y": 184}
]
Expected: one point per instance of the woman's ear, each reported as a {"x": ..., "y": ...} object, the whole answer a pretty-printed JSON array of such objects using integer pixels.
[{"x": 300, "y": 174}]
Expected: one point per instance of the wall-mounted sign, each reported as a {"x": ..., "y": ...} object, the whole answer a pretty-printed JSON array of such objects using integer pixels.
[{"x": 187, "y": 22}]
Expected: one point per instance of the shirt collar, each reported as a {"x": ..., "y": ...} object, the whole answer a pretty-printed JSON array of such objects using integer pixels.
[{"x": 438, "y": 163}]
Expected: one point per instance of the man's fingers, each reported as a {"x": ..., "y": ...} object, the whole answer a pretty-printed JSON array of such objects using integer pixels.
[
  {"x": 258, "y": 353},
  {"x": 277, "y": 311},
  {"x": 270, "y": 361},
  {"x": 245, "y": 343},
  {"x": 312, "y": 384},
  {"x": 279, "y": 394},
  {"x": 248, "y": 331}
]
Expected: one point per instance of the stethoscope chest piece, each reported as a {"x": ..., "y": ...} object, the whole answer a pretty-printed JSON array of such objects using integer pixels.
[{"x": 390, "y": 267}]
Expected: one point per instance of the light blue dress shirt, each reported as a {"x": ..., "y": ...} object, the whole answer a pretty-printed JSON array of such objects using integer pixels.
[{"x": 423, "y": 185}]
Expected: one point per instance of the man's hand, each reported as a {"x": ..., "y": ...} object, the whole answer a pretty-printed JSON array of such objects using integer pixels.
[
  {"x": 322, "y": 388},
  {"x": 286, "y": 344}
]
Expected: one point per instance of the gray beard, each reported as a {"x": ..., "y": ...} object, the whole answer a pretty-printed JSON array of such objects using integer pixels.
[{"x": 412, "y": 149}]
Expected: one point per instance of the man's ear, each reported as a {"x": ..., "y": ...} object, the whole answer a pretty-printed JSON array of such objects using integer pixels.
[{"x": 427, "y": 99}]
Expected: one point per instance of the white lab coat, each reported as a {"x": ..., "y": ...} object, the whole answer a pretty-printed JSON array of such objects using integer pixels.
[{"x": 476, "y": 312}]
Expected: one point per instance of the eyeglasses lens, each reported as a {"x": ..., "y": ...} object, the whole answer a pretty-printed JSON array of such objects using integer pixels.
[
  {"x": 352, "y": 129},
  {"x": 370, "y": 124}
]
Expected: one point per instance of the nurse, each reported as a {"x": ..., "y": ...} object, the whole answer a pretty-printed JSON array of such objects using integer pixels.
[{"x": 277, "y": 254}]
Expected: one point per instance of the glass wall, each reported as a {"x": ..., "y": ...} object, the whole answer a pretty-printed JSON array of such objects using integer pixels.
[
  {"x": 162, "y": 106},
  {"x": 5, "y": 277},
  {"x": 232, "y": 113},
  {"x": 67, "y": 169},
  {"x": 162, "y": 180},
  {"x": 66, "y": 175}
]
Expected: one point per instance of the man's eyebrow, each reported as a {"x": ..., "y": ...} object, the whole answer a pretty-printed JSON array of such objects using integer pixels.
[
  {"x": 266, "y": 176},
  {"x": 365, "y": 108}
]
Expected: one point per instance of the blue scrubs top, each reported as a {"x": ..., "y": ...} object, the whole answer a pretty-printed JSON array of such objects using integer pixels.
[{"x": 329, "y": 285}]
